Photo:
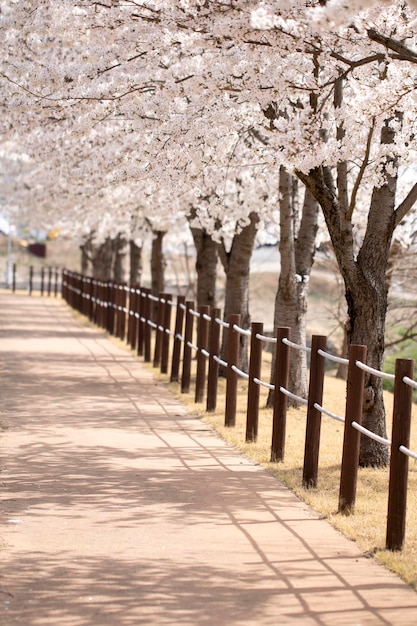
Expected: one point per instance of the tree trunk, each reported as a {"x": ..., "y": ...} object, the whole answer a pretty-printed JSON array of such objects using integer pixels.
[
  {"x": 236, "y": 264},
  {"x": 157, "y": 267},
  {"x": 102, "y": 260},
  {"x": 136, "y": 267},
  {"x": 86, "y": 250},
  {"x": 297, "y": 248},
  {"x": 119, "y": 258},
  {"x": 206, "y": 265},
  {"x": 365, "y": 283}
]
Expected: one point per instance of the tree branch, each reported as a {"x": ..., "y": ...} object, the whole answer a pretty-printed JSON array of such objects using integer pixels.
[
  {"x": 361, "y": 172},
  {"x": 405, "y": 206},
  {"x": 404, "y": 53}
]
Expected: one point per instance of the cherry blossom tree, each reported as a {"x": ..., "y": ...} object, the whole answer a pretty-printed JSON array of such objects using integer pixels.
[{"x": 127, "y": 104}]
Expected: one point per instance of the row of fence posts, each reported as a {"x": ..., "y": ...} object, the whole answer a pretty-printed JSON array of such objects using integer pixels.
[
  {"x": 49, "y": 279},
  {"x": 126, "y": 312}
]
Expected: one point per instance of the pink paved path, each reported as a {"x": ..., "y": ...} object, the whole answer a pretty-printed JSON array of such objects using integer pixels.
[{"x": 119, "y": 507}]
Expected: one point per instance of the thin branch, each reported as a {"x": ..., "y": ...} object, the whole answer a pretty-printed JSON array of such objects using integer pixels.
[
  {"x": 361, "y": 172},
  {"x": 408, "y": 202}
]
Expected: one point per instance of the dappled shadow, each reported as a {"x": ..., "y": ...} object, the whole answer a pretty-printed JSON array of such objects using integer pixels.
[{"x": 119, "y": 507}]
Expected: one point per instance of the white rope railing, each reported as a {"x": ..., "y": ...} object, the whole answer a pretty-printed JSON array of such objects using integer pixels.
[
  {"x": 408, "y": 452},
  {"x": 410, "y": 382},
  {"x": 332, "y": 357},
  {"x": 262, "y": 383},
  {"x": 297, "y": 346},
  {"x": 239, "y": 372},
  {"x": 370, "y": 434},
  {"x": 222, "y": 323},
  {"x": 328, "y": 413},
  {"x": 293, "y": 396},
  {"x": 220, "y": 361},
  {"x": 265, "y": 338},
  {"x": 375, "y": 372},
  {"x": 241, "y": 331}
]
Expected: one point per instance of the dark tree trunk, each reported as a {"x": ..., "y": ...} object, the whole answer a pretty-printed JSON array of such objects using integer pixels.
[
  {"x": 365, "y": 282},
  {"x": 86, "y": 255},
  {"x": 236, "y": 264},
  {"x": 206, "y": 265},
  {"x": 157, "y": 266},
  {"x": 135, "y": 275},
  {"x": 102, "y": 260},
  {"x": 119, "y": 258}
]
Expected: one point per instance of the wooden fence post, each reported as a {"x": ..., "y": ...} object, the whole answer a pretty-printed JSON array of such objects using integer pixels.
[
  {"x": 398, "y": 469},
  {"x": 202, "y": 343},
  {"x": 42, "y": 280},
  {"x": 255, "y": 363},
  {"x": 130, "y": 315},
  {"x": 166, "y": 323},
  {"x": 110, "y": 307},
  {"x": 141, "y": 322},
  {"x": 134, "y": 312},
  {"x": 30, "y": 280},
  {"x": 188, "y": 337},
  {"x": 281, "y": 375},
  {"x": 50, "y": 281},
  {"x": 96, "y": 302},
  {"x": 313, "y": 425},
  {"x": 56, "y": 283},
  {"x": 351, "y": 439},
  {"x": 231, "y": 376},
  {"x": 213, "y": 366},
  {"x": 147, "y": 330},
  {"x": 14, "y": 278},
  {"x": 176, "y": 349},
  {"x": 159, "y": 330}
]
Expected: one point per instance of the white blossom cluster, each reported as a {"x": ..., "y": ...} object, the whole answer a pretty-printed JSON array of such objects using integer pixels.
[{"x": 129, "y": 113}]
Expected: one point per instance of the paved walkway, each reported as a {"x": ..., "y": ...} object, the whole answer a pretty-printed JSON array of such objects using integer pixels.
[{"x": 121, "y": 508}]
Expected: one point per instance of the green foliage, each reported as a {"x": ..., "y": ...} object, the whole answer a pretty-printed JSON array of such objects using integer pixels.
[{"x": 406, "y": 349}]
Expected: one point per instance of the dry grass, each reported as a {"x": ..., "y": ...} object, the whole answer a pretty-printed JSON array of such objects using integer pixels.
[{"x": 367, "y": 526}]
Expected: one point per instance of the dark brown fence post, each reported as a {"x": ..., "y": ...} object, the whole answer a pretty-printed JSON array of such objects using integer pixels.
[
  {"x": 111, "y": 293},
  {"x": 202, "y": 343},
  {"x": 56, "y": 283},
  {"x": 166, "y": 322},
  {"x": 96, "y": 309},
  {"x": 30, "y": 280},
  {"x": 255, "y": 363},
  {"x": 313, "y": 425},
  {"x": 147, "y": 329},
  {"x": 351, "y": 439},
  {"x": 14, "y": 278},
  {"x": 281, "y": 375},
  {"x": 42, "y": 280},
  {"x": 188, "y": 337},
  {"x": 116, "y": 305},
  {"x": 141, "y": 321},
  {"x": 159, "y": 330},
  {"x": 176, "y": 349},
  {"x": 231, "y": 376},
  {"x": 123, "y": 310},
  {"x": 133, "y": 313},
  {"x": 129, "y": 304},
  {"x": 213, "y": 365},
  {"x": 49, "y": 280},
  {"x": 398, "y": 470}
]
